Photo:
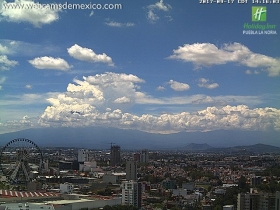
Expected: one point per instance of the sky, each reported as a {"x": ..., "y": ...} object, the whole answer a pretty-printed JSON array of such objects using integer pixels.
[{"x": 157, "y": 66}]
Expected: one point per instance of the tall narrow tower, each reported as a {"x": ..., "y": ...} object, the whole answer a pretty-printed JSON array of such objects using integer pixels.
[
  {"x": 131, "y": 170},
  {"x": 144, "y": 156},
  {"x": 115, "y": 158}
]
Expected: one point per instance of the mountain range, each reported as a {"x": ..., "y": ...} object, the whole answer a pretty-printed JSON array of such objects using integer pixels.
[{"x": 101, "y": 138}]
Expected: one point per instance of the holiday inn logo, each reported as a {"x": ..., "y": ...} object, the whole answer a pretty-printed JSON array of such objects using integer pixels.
[
  {"x": 259, "y": 24},
  {"x": 258, "y": 13}
]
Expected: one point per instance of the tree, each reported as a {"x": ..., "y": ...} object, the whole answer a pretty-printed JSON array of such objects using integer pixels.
[
  {"x": 218, "y": 207},
  {"x": 107, "y": 207}
]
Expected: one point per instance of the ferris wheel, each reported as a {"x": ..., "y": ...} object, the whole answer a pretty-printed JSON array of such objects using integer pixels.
[{"x": 19, "y": 160}]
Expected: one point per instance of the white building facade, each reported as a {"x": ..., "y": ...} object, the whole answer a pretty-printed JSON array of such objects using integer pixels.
[
  {"x": 83, "y": 156},
  {"x": 66, "y": 188},
  {"x": 131, "y": 193}
]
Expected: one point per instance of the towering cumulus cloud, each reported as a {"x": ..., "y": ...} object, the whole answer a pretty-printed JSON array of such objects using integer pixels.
[{"x": 106, "y": 99}]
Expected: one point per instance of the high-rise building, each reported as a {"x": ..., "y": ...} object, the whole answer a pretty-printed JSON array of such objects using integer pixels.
[
  {"x": 83, "y": 156},
  {"x": 136, "y": 157},
  {"x": 248, "y": 201},
  {"x": 144, "y": 156},
  {"x": 277, "y": 200},
  {"x": 131, "y": 193},
  {"x": 258, "y": 201},
  {"x": 115, "y": 158},
  {"x": 131, "y": 170},
  {"x": 256, "y": 181}
]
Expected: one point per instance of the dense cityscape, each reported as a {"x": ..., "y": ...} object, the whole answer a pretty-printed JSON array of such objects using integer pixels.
[{"x": 79, "y": 178}]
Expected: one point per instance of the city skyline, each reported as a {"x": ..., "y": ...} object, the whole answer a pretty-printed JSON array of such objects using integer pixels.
[{"x": 161, "y": 67}]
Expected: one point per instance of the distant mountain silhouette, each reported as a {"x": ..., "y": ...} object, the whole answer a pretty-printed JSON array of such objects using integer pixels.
[
  {"x": 101, "y": 137},
  {"x": 196, "y": 147},
  {"x": 258, "y": 148}
]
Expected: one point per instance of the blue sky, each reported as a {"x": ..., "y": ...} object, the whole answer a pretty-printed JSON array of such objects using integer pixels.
[{"x": 155, "y": 66}]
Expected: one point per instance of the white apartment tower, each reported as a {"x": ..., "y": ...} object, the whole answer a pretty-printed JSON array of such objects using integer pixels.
[
  {"x": 131, "y": 193},
  {"x": 83, "y": 156}
]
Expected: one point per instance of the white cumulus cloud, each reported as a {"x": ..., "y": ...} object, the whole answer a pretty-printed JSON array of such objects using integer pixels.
[
  {"x": 122, "y": 100},
  {"x": 158, "y": 6},
  {"x": 4, "y": 49},
  {"x": 6, "y": 64},
  {"x": 251, "y": 72},
  {"x": 178, "y": 86},
  {"x": 205, "y": 83},
  {"x": 20, "y": 124},
  {"x": 160, "y": 88},
  {"x": 86, "y": 54},
  {"x": 152, "y": 17},
  {"x": 15, "y": 47},
  {"x": 33, "y": 13},
  {"x": 103, "y": 100},
  {"x": 2, "y": 80},
  {"x": 207, "y": 54},
  {"x": 28, "y": 86},
  {"x": 50, "y": 63}
]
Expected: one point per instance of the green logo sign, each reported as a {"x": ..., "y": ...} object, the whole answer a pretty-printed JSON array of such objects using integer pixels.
[{"x": 258, "y": 13}]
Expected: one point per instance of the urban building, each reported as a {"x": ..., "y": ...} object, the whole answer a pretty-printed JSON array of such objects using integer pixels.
[
  {"x": 88, "y": 166},
  {"x": 207, "y": 207},
  {"x": 258, "y": 201},
  {"x": 169, "y": 184},
  {"x": 188, "y": 186},
  {"x": 131, "y": 170},
  {"x": 114, "y": 178},
  {"x": 131, "y": 193},
  {"x": 136, "y": 157},
  {"x": 26, "y": 206},
  {"x": 83, "y": 156},
  {"x": 228, "y": 207},
  {"x": 256, "y": 181},
  {"x": 66, "y": 188},
  {"x": 65, "y": 165},
  {"x": 25, "y": 196},
  {"x": 277, "y": 201},
  {"x": 69, "y": 202},
  {"x": 179, "y": 192},
  {"x": 144, "y": 156},
  {"x": 115, "y": 156}
]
